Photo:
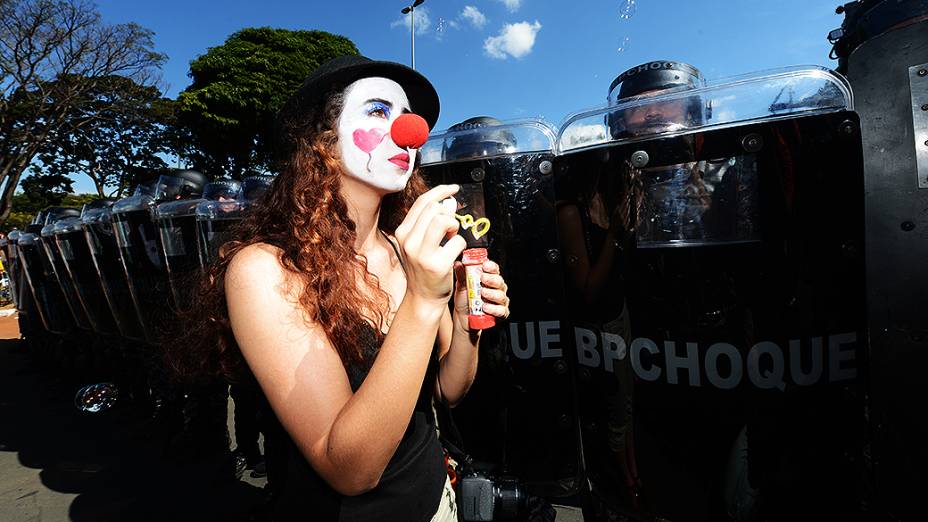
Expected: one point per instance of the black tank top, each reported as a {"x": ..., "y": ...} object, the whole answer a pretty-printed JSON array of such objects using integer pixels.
[{"x": 410, "y": 488}]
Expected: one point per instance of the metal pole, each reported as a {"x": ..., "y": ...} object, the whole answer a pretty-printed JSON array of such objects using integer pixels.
[{"x": 412, "y": 33}]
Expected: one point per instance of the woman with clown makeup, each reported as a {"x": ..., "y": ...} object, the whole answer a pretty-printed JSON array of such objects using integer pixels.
[{"x": 334, "y": 294}]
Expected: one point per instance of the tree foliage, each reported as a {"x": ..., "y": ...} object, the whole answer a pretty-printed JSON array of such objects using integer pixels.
[
  {"x": 120, "y": 145},
  {"x": 238, "y": 87},
  {"x": 56, "y": 59},
  {"x": 40, "y": 191},
  {"x": 26, "y": 205}
]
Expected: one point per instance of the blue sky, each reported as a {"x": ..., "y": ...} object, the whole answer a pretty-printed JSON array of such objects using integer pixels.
[{"x": 511, "y": 58}]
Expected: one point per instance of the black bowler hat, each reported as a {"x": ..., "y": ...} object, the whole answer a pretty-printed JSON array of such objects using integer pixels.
[{"x": 344, "y": 70}]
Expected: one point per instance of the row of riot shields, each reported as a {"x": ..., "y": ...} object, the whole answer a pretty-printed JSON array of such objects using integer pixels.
[
  {"x": 687, "y": 338},
  {"x": 117, "y": 271}
]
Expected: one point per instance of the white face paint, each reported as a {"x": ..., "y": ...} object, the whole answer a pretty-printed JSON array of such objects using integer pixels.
[{"x": 371, "y": 106}]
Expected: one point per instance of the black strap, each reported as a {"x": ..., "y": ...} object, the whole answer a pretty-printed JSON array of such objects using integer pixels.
[{"x": 395, "y": 249}]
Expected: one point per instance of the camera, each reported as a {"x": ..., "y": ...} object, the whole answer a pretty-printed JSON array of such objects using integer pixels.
[{"x": 483, "y": 497}]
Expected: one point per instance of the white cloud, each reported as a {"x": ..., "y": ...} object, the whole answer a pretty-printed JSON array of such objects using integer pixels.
[
  {"x": 514, "y": 40},
  {"x": 423, "y": 21},
  {"x": 512, "y": 5},
  {"x": 474, "y": 16}
]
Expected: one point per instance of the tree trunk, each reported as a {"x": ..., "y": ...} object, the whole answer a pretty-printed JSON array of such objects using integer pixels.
[{"x": 14, "y": 168}]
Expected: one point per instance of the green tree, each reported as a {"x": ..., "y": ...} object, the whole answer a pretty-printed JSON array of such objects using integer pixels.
[
  {"x": 28, "y": 204},
  {"x": 40, "y": 191},
  {"x": 120, "y": 145},
  {"x": 55, "y": 56},
  {"x": 238, "y": 87}
]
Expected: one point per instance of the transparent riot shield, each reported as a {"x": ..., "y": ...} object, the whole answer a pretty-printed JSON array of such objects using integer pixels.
[
  {"x": 213, "y": 221},
  {"x": 177, "y": 226},
  {"x": 61, "y": 274},
  {"x": 100, "y": 236},
  {"x": 17, "y": 277},
  {"x": 142, "y": 259},
  {"x": 7, "y": 248},
  {"x": 519, "y": 417},
  {"x": 215, "y": 218},
  {"x": 52, "y": 309},
  {"x": 76, "y": 257},
  {"x": 176, "y": 223},
  {"x": 717, "y": 297}
]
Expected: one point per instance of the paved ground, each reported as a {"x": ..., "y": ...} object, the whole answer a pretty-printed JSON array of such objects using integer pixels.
[{"x": 59, "y": 464}]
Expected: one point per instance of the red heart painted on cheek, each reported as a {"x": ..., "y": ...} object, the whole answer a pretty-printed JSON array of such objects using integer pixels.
[{"x": 368, "y": 140}]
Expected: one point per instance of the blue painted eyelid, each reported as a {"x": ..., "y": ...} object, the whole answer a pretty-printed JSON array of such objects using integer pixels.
[{"x": 373, "y": 106}]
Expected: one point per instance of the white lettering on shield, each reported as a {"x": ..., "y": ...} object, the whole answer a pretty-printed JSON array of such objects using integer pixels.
[{"x": 766, "y": 365}]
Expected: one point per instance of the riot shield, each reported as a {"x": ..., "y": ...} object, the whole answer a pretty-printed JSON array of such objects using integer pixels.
[
  {"x": 883, "y": 48},
  {"x": 717, "y": 290},
  {"x": 100, "y": 237},
  {"x": 519, "y": 416},
  {"x": 17, "y": 277},
  {"x": 7, "y": 249},
  {"x": 213, "y": 220},
  {"x": 60, "y": 272},
  {"x": 177, "y": 226},
  {"x": 142, "y": 255},
  {"x": 51, "y": 307},
  {"x": 68, "y": 235}
]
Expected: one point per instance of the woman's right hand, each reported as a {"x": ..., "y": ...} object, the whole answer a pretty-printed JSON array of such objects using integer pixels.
[{"x": 429, "y": 264}]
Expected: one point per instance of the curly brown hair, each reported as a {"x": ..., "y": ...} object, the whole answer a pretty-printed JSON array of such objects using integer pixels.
[{"x": 305, "y": 216}]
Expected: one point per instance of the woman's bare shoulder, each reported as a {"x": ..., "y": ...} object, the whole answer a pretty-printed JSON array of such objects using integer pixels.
[{"x": 256, "y": 261}]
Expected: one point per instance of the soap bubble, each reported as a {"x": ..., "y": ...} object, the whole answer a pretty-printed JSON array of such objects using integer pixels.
[
  {"x": 623, "y": 44},
  {"x": 627, "y": 9},
  {"x": 96, "y": 398}
]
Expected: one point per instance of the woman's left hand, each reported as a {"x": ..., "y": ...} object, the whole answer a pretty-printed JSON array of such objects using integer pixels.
[{"x": 493, "y": 293}]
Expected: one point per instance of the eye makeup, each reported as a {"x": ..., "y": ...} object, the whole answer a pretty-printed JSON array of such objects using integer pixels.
[{"x": 381, "y": 106}]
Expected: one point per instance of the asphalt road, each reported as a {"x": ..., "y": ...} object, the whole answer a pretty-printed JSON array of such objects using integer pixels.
[{"x": 60, "y": 464}]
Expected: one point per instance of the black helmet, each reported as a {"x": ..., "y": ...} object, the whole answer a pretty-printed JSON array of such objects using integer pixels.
[
  {"x": 97, "y": 204},
  {"x": 661, "y": 75},
  {"x": 253, "y": 187},
  {"x": 656, "y": 77},
  {"x": 180, "y": 184},
  {"x": 53, "y": 214},
  {"x": 193, "y": 181},
  {"x": 489, "y": 142},
  {"x": 222, "y": 189}
]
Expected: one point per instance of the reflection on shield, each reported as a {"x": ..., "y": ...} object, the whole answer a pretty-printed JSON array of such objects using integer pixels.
[
  {"x": 737, "y": 249},
  {"x": 101, "y": 234},
  {"x": 519, "y": 416}
]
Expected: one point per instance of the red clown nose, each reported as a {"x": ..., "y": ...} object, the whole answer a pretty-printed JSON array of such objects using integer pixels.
[{"x": 409, "y": 131}]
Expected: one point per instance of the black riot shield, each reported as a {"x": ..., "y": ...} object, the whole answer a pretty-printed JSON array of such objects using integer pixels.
[
  {"x": 216, "y": 217},
  {"x": 100, "y": 237},
  {"x": 51, "y": 305},
  {"x": 718, "y": 302},
  {"x": 38, "y": 265},
  {"x": 77, "y": 259},
  {"x": 17, "y": 276},
  {"x": 883, "y": 48},
  {"x": 59, "y": 269},
  {"x": 519, "y": 417},
  {"x": 177, "y": 226},
  {"x": 8, "y": 250},
  {"x": 143, "y": 256}
]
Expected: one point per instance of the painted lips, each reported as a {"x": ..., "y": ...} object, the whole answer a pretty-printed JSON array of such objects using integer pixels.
[{"x": 400, "y": 160}]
